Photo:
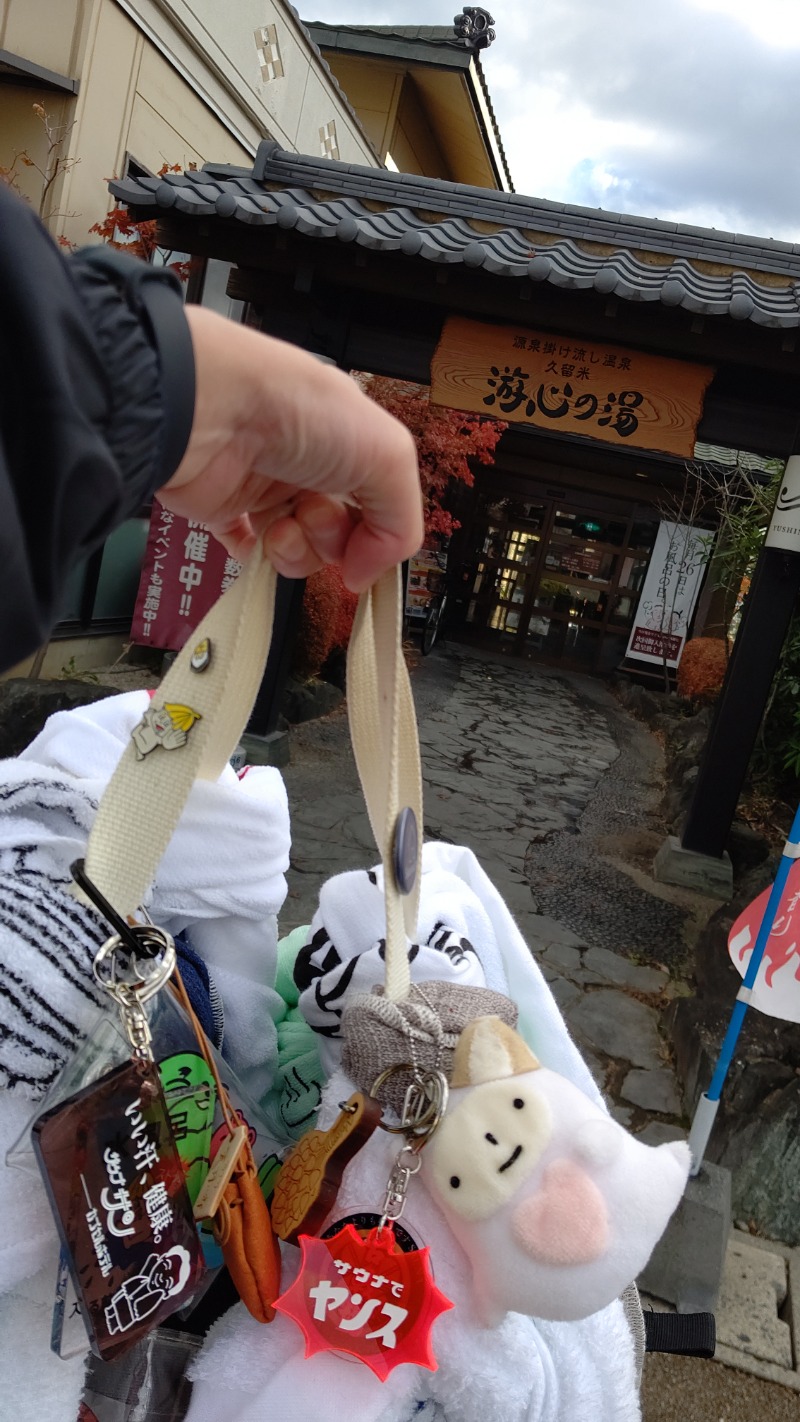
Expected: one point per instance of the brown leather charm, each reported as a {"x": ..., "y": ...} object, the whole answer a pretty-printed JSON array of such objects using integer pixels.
[
  {"x": 243, "y": 1230},
  {"x": 306, "y": 1189},
  {"x": 231, "y": 1198}
]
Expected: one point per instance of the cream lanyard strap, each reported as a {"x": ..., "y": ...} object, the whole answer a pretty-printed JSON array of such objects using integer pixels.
[{"x": 145, "y": 797}]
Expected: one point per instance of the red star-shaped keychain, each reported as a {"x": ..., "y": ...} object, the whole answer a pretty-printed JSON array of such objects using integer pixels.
[{"x": 364, "y": 1296}]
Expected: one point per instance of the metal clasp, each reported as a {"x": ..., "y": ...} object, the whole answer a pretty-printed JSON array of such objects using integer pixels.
[
  {"x": 424, "y": 1106},
  {"x": 132, "y": 979}
]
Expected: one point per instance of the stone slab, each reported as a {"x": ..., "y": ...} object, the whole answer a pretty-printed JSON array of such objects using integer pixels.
[
  {"x": 656, "y": 1133},
  {"x": 687, "y": 1264},
  {"x": 564, "y": 956},
  {"x": 545, "y": 931},
  {"x": 754, "y": 1289},
  {"x": 618, "y": 1025},
  {"x": 653, "y": 1090},
  {"x": 614, "y": 968},
  {"x": 623, "y": 1114},
  {"x": 517, "y": 893},
  {"x": 675, "y": 865},
  {"x": 565, "y": 993}
]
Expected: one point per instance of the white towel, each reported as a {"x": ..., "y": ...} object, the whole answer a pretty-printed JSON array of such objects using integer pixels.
[
  {"x": 521, "y": 1371},
  {"x": 36, "y": 1385},
  {"x": 465, "y": 935},
  {"x": 222, "y": 879}
]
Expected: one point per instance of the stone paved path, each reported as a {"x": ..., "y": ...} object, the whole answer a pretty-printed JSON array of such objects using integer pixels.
[
  {"x": 557, "y": 790},
  {"x": 525, "y": 767}
]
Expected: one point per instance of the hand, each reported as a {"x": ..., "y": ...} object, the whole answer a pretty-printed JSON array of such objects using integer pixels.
[{"x": 289, "y": 450}]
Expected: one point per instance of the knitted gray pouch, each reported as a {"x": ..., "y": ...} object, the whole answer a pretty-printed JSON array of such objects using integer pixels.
[{"x": 421, "y": 1031}]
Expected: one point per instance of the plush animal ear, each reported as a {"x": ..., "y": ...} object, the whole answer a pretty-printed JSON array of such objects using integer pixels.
[{"x": 488, "y": 1050}]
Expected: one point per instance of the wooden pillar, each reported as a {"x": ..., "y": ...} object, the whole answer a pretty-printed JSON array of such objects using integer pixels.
[{"x": 751, "y": 670}]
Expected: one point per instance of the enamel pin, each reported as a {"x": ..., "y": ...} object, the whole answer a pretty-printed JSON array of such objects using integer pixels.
[{"x": 166, "y": 726}]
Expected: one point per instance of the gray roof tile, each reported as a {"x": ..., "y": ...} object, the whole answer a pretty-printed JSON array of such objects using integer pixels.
[{"x": 284, "y": 194}]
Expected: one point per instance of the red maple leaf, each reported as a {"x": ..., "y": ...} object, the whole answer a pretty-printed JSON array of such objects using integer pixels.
[{"x": 366, "y": 1298}]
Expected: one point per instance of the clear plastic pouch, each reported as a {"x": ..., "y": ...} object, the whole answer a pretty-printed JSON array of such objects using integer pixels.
[
  {"x": 196, "y": 1116},
  {"x": 148, "y": 1385}
]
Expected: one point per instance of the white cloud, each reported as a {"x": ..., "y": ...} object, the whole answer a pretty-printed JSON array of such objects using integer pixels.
[
  {"x": 774, "y": 22},
  {"x": 682, "y": 109}
]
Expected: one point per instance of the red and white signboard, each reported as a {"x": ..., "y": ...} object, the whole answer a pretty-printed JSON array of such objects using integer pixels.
[
  {"x": 777, "y": 986},
  {"x": 669, "y": 593},
  {"x": 184, "y": 571}
]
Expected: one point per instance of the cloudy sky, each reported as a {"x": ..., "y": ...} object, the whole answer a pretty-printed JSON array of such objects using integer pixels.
[{"x": 683, "y": 109}]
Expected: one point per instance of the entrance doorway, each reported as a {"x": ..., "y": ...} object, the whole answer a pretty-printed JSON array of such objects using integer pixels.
[{"x": 557, "y": 578}]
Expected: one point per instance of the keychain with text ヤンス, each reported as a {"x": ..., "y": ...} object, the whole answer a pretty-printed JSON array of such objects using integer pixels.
[{"x": 362, "y": 1292}]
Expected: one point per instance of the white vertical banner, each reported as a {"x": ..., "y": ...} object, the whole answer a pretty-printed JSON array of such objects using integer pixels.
[
  {"x": 784, "y": 530},
  {"x": 669, "y": 593}
]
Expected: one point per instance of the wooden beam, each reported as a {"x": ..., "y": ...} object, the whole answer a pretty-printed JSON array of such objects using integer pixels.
[{"x": 648, "y": 325}]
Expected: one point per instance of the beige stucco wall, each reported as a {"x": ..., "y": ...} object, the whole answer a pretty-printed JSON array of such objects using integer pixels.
[
  {"x": 290, "y": 108},
  {"x": 165, "y": 81},
  {"x": 389, "y": 105},
  {"x": 374, "y": 90},
  {"x": 413, "y": 145}
]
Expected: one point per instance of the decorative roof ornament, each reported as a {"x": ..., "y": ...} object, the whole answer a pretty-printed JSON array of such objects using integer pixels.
[{"x": 474, "y": 26}]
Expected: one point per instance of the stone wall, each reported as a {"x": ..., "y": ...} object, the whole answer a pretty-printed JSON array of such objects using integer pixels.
[{"x": 757, "y": 1131}]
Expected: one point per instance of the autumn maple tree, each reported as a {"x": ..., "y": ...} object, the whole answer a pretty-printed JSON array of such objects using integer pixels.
[
  {"x": 138, "y": 237},
  {"x": 446, "y": 441}
]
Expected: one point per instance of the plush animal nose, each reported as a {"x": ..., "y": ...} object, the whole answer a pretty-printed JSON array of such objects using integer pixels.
[{"x": 565, "y": 1221}]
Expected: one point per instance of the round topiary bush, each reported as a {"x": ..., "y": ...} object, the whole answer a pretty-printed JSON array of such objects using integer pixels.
[{"x": 701, "y": 670}]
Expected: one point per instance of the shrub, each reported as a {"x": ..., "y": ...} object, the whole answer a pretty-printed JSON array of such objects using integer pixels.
[
  {"x": 326, "y": 621},
  {"x": 701, "y": 669}
]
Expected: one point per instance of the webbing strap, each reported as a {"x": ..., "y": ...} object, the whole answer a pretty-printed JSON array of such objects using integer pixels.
[
  {"x": 693, "y": 1334},
  {"x": 199, "y": 713},
  {"x": 205, "y": 711},
  {"x": 383, "y": 729}
]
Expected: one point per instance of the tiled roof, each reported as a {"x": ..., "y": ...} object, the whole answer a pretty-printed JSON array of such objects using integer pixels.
[
  {"x": 427, "y": 44},
  {"x": 507, "y": 234},
  {"x": 436, "y": 35}
]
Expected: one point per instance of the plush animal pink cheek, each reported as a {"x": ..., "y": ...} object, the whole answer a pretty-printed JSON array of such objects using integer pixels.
[{"x": 566, "y": 1221}]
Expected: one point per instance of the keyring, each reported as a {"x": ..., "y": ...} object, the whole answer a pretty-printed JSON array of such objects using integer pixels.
[{"x": 420, "y": 1126}]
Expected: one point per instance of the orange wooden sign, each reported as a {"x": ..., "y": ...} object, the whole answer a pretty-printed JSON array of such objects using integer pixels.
[{"x": 569, "y": 385}]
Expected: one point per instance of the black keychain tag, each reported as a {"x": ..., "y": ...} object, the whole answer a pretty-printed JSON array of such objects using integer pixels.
[
  {"x": 117, "y": 1191},
  {"x": 111, "y": 1166}
]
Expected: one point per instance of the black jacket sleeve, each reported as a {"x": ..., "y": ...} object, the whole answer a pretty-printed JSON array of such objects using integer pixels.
[{"x": 96, "y": 406}]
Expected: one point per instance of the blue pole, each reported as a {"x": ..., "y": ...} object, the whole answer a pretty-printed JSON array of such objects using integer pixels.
[{"x": 708, "y": 1104}]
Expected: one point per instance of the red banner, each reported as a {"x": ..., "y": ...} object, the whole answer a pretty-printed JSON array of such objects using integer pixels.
[
  {"x": 647, "y": 642},
  {"x": 184, "y": 571}
]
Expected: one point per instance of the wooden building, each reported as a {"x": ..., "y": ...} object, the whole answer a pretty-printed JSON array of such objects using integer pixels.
[{"x": 611, "y": 343}]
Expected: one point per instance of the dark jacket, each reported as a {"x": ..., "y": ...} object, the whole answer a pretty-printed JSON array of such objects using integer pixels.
[{"x": 96, "y": 405}]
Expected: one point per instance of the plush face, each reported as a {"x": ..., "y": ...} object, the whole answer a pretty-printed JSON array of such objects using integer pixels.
[
  {"x": 488, "y": 1145},
  {"x": 555, "y": 1205}
]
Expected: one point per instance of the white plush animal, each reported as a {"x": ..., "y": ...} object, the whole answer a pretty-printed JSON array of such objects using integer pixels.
[{"x": 557, "y": 1207}]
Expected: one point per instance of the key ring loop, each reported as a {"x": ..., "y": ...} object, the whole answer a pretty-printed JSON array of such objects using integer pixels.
[
  {"x": 380, "y": 1081},
  {"x": 434, "y": 1087},
  {"x": 122, "y": 928},
  {"x": 147, "y": 943}
]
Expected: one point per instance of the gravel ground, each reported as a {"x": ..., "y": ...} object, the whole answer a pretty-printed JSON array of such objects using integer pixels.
[{"x": 693, "y": 1390}]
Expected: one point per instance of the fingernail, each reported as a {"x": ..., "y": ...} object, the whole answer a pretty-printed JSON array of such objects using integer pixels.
[{"x": 288, "y": 541}]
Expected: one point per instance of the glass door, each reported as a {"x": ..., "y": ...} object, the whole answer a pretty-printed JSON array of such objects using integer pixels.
[
  {"x": 591, "y": 572},
  {"x": 510, "y": 539}
]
